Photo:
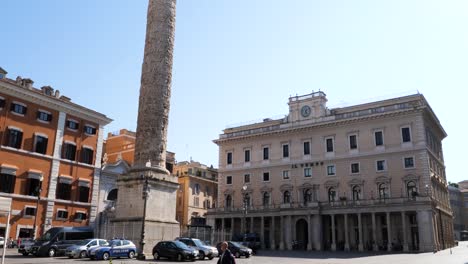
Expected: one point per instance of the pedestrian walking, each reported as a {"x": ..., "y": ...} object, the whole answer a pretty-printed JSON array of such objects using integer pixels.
[{"x": 226, "y": 255}]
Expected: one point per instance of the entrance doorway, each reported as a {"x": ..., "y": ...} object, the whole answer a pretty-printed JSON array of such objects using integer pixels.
[{"x": 302, "y": 235}]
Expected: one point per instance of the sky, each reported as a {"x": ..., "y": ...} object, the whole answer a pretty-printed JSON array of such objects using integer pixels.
[{"x": 238, "y": 61}]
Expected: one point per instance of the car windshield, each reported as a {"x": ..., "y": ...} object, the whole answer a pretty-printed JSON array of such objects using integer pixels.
[
  {"x": 114, "y": 243},
  {"x": 49, "y": 234},
  {"x": 181, "y": 245},
  {"x": 198, "y": 242},
  {"x": 83, "y": 242}
]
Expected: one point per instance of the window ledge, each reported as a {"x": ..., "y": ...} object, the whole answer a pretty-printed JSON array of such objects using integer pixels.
[
  {"x": 27, "y": 152},
  {"x": 16, "y": 114},
  {"x": 43, "y": 121}
]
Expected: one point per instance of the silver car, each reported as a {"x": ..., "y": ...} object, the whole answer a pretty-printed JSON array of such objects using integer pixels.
[
  {"x": 204, "y": 250},
  {"x": 80, "y": 250}
]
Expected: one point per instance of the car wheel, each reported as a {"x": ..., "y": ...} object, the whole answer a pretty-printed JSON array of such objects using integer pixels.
[
  {"x": 82, "y": 254},
  {"x": 70, "y": 257},
  {"x": 210, "y": 258},
  {"x": 25, "y": 253},
  {"x": 92, "y": 258},
  {"x": 237, "y": 254},
  {"x": 131, "y": 254},
  {"x": 179, "y": 257},
  {"x": 105, "y": 256},
  {"x": 247, "y": 256},
  {"x": 52, "y": 252},
  {"x": 156, "y": 255},
  {"x": 201, "y": 255}
]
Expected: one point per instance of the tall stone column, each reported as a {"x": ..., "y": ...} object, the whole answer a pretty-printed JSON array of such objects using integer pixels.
[
  {"x": 374, "y": 234},
  {"x": 389, "y": 233},
  {"x": 289, "y": 233},
  {"x": 281, "y": 232},
  {"x": 146, "y": 204},
  {"x": 346, "y": 233},
  {"x": 309, "y": 232},
  {"x": 317, "y": 233},
  {"x": 272, "y": 233},
  {"x": 360, "y": 246},
  {"x": 262, "y": 232},
  {"x": 405, "y": 236}
]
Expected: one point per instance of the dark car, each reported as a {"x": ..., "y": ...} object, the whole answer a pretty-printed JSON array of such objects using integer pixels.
[
  {"x": 174, "y": 250},
  {"x": 57, "y": 239},
  {"x": 237, "y": 249}
]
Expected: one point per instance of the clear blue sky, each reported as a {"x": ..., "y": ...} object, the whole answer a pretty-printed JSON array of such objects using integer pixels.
[{"x": 237, "y": 61}]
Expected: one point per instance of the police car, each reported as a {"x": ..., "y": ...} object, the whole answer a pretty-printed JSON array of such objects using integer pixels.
[{"x": 117, "y": 248}]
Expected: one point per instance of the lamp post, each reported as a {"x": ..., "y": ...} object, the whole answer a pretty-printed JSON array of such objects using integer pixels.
[
  {"x": 244, "y": 188},
  {"x": 141, "y": 254},
  {"x": 38, "y": 193}
]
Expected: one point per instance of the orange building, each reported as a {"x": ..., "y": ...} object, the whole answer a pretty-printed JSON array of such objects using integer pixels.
[{"x": 50, "y": 158}]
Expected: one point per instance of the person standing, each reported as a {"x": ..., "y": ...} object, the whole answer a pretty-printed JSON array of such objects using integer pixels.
[{"x": 226, "y": 256}]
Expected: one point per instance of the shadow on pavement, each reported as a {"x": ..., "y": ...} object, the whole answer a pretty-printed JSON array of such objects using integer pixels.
[{"x": 324, "y": 254}]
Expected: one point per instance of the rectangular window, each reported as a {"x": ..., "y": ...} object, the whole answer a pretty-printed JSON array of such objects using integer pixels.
[
  {"x": 266, "y": 153},
  {"x": 247, "y": 155},
  {"x": 285, "y": 151},
  {"x": 72, "y": 124},
  {"x": 285, "y": 175},
  {"x": 381, "y": 165},
  {"x": 62, "y": 214},
  {"x": 307, "y": 172},
  {"x": 331, "y": 170},
  {"x": 80, "y": 216},
  {"x": 378, "y": 138},
  {"x": 353, "y": 142},
  {"x": 30, "y": 211},
  {"x": 63, "y": 191},
  {"x": 15, "y": 138},
  {"x": 329, "y": 144},
  {"x": 405, "y": 134},
  {"x": 266, "y": 176},
  {"x": 18, "y": 108},
  {"x": 246, "y": 178},
  {"x": 33, "y": 187},
  {"x": 43, "y": 116},
  {"x": 69, "y": 151},
  {"x": 87, "y": 155},
  {"x": 7, "y": 183},
  {"x": 83, "y": 194},
  {"x": 2, "y": 102},
  {"x": 228, "y": 179},
  {"x": 229, "y": 158},
  {"x": 409, "y": 162},
  {"x": 40, "y": 144},
  {"x": 90, "y": 130},
  {"x": 307, "y": 148},
  {"x": 354, "y": 167}
]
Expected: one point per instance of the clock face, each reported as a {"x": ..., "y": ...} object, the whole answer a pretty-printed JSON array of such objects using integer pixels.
[{"x": 305, "y": 111}]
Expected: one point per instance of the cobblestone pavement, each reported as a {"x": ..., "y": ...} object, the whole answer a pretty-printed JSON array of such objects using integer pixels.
[{"x": 457, "y": 255}]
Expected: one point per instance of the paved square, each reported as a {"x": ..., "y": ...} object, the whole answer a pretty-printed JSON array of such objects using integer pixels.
[{"x": 458, "y": 255}]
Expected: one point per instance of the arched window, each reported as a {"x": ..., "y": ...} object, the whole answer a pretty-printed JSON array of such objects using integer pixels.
[
  {"x": 112, "y": 196},
  {"x": 383, "y": 192},
  {"x": 307, "y": 196},
  {"x": 196, "y": 190},
  {"x": 286, "y": 197},
  {"x": 247, "y": 200},
  {"x": 266, "y": 198},
  {"x": 356, "y": 193},
  {"x": 228, "y": 201},
  {"x": 331, "y": 194},
  {"x": 411, "y": 189}
]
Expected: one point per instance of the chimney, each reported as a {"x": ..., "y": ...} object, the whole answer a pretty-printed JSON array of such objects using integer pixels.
[
  {"x": 57, "y": 94},
  {"x": 3, "y": 73},
  {"x": 47, "y": 90},
  {"x": 64, "y": 98},
  {"x": 19, "y": 80}
]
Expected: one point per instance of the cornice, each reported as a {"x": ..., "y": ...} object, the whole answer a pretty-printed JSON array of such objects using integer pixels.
[{"x": 54, "y": 103}]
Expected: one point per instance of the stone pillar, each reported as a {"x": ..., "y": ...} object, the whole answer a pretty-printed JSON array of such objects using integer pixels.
[
  {"x": 309, "y": 232},
  {"x": 374, "y": 234},
  {"x": 243, "y": 225},
  {"x": 252, "y": 225},
  {"x": 346, "y": 234},
  {"x": 426, "y": 231},
  {"x": 272, "y": 233},
  {"x": 360, "y": 246},
  {"x": 333, "y": 245},
  {"x": 262, "y": 232},
  {"x": 405, "y": 236},
  {"x": 281, "y": 245},
  {"x": 231, "y": 231},
  {"x": 317, "y": 232},
  {"x": 389, "y": 233},
  {"x": 288, "y": 233}
]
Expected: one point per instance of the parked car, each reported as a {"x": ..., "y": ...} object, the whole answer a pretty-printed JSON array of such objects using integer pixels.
[
  {"x": 117, "y": 248},
  {"x": 237, "y": 249},
  {"x": 57, "y": 239},
  {"x": 204, "y": 250},
  {"x": 2, "y": 241},
  {"x": 175, "y": 250},
  {"x": 25, "y": 247},
  {"x": 80, "y": 250}
]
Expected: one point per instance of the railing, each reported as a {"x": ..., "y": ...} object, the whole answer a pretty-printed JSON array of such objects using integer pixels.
[{"x": 333, "y": 204}]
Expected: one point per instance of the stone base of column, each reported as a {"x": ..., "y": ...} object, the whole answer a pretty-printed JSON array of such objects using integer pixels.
[
  {"x": 361, "y": 247},
  {"x": 333, "y": 247},
  {"x": 309, "y": 246},
  {"x": 281, "y": 246},
  {"x": 273, "y": 245},
  {"x": 318, "y": 246},
  {"x": 389, "y": 247},
  {"x": 346, "y": 247},
  {"x": 405, "y": 248},
  {"x": 375, "y": 247}
]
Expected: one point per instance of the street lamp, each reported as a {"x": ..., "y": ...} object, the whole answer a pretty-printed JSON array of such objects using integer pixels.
[
  {"x": 244, "y": 188},
  {"x": 141, "y": 254},
  {"x": 38, "y": 193}
]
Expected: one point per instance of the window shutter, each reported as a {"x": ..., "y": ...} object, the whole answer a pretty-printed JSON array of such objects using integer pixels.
[
  {"x": 2, "y": 103},
  {"x": 25, "y": 110},
  {"x": 49, "y": 117},
  {"x": 38, "y": 114},
  {"x": 20, "y": 139},
  {"x": 67, "y": 124},
  {"x": 12, "y": 107},
  {"x": 94, "y": 131}
]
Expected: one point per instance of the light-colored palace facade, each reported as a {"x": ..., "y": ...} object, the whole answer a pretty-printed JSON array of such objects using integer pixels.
[{"x": 364, "y": 177}]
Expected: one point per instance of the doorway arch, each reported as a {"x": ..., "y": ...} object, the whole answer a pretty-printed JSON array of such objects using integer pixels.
[{"x": 302, "y": 234}]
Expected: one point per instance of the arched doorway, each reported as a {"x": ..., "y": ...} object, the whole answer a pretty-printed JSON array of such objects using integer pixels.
[{"x": 302, "y": 235}]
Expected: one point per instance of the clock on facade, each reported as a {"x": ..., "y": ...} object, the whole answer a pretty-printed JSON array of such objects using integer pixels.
[{"x": 305, "y": 111}]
